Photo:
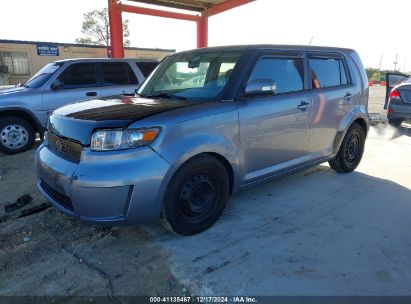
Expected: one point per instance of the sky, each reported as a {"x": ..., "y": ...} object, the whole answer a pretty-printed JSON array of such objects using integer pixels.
[{"x": 373, "y": 28}]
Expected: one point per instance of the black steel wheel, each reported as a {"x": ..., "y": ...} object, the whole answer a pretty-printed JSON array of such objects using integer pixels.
[
  {"x": 196, "y": 196},
  {"x": 351, "y": 150}
]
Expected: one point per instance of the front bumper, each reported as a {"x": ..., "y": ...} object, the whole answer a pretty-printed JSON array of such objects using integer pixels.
[{"x": 117, "y": 187}]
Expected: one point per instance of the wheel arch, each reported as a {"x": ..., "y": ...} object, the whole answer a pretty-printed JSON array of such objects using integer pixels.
[
  {"x": 219, "y": 157},
  {"x": 24, "y": 114},
  {"x": 362, "y": 120}
]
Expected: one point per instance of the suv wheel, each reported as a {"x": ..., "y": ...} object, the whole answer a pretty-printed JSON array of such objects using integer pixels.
[
  {"x": 196, "y": 196},
  {"x": 351, "y": 150},
  {"x": 394, "y": 123},
  {"x": 16, "y": 135}
]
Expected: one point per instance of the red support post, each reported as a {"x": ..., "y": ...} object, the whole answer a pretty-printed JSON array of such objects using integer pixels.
[
  {"x": 202, "y": 31},
  {"x": 116, "y": 29}
]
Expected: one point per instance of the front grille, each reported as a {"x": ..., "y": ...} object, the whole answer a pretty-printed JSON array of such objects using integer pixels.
[
  {"x": 60, "y": 198},
  {"x": 66, "y": 148}
]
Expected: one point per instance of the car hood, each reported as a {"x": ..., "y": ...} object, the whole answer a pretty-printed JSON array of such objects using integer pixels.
[
  {"x": 6, "y": 91},
  {"x": 78, "y": 121}
]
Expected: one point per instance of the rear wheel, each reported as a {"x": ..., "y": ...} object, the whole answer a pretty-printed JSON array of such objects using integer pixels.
[
  {"x": 351, "y": 150},
  {"x": 394, "y": 123},
  {"x": 196, "y": 196},
  {"x": 16, "y": 135}
]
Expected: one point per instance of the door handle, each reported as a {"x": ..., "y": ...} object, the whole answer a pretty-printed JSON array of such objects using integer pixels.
[
  {"x": 304, "y": 105},
  {"x": 91, "y": 94},
  {"x": 347, "y": 96}
]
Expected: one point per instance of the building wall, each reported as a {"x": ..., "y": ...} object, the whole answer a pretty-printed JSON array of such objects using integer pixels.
[{"x": 36, "y": 62}]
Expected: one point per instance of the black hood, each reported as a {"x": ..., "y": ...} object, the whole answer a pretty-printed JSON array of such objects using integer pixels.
[
  {"x": 78, "y": 121},
  {"x": 127, "y": 108}
]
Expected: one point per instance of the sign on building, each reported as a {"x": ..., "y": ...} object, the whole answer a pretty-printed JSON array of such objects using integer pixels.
[{"x": 47, "y": 50}]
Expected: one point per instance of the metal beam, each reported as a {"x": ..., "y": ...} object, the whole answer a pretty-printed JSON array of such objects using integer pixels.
[
  {"x": 116, "y": 29},
  {"x": 180, "y": 4},
  {"x": 157, "y": 13},
  {"x": 225, "y": 6}
]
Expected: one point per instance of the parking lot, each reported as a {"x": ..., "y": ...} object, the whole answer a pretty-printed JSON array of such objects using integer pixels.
[{"x": 331, "y": 234}]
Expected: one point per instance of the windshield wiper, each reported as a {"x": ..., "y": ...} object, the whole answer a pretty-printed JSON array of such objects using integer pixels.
[{"x": 166, "y": 95}]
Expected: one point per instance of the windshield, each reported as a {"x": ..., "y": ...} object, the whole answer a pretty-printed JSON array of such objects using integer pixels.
[
  {"x": 43, "y": 75},
  {"x": 191, "y": 76}
]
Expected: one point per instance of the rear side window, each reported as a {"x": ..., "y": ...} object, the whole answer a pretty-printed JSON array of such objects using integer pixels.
[
  {"x": 327, "y": 73},
  {"x": 286, "y": 73},
  {"x": 79, "y": 75},
  {"x": 146, "y": 67},
  {"x": 117, "y": 73}
]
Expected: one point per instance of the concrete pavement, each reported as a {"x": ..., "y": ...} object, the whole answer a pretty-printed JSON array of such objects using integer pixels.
[{"x": 313, "y": 233}]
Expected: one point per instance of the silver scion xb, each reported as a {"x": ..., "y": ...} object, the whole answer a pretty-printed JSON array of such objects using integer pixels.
[{"x": 205, "y": 124}]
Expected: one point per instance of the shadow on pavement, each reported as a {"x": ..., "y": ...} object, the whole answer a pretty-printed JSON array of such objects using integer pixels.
[{"x": 314, "y": 233}]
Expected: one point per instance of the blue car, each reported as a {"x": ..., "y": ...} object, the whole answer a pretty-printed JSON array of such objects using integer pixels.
[{"x": 175, "y": 151}]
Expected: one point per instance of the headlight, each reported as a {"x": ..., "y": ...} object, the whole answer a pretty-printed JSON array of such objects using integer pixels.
[{"x": 105, "y": 140}]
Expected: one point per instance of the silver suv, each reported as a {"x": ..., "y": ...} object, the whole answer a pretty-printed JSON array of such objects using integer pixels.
[
  {"x": 24, "y": 109},
  {"x": 205, "y": 124}
]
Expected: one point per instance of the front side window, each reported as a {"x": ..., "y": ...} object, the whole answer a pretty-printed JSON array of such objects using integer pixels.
[
  {"x": 117, "y": 73},
  {"x": 193, "y": 76},
  {"x": 286, "y": 73},
  {"x": 78, "y": 75},
  {"x": 327, "y": 72}
]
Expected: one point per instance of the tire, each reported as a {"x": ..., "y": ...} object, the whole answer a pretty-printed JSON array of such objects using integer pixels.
[
  {"x": 196, "y": 196},
  {"x": 351, "y": 150},
  {"x": 16, "y": 135},
  {"x": 394, "y": 123}
]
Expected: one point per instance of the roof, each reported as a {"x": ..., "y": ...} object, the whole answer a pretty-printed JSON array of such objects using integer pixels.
[
  {"x": 81, "y": 45},
  {"x": 106, "y": 60},
  {"x": 251, "y": 47},
  {"x": 191, "y": 5}
]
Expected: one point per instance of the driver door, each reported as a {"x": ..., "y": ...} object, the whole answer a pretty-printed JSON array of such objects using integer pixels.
[
  {"x": 274, "y": 128},
  {"x": 77, "y": 82}
]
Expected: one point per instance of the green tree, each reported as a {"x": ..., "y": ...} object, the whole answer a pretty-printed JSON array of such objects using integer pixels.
[
  {"x": 96, "y": 29},
  {"x": 376, "y": 76}
]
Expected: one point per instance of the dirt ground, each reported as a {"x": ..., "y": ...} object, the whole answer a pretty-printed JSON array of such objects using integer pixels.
[{"x": 48, "y": 253}]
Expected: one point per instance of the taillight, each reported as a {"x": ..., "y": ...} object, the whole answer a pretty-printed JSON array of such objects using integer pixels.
[{"x": 395, "y": 95}]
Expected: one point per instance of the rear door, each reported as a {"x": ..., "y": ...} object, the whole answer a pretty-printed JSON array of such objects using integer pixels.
[
  {"x": 117, "y": 78},
  {"x": 332, "y": 96},
  {"x": 393, "y": 79},
  {"x": 274, "y": 128},
  {"x": 78, "y": 81}
]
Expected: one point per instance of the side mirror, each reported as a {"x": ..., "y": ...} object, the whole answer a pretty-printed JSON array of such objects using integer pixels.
[
  {"x": 260, "y": 87},
  {"x": 56, "y": 85}
]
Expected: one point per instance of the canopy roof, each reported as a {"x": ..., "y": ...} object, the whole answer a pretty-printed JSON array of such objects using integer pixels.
[{"x": 191, "y": 5}]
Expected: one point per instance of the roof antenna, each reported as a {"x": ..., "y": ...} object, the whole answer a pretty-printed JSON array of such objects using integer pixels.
[{"x": 312, "y": 37}]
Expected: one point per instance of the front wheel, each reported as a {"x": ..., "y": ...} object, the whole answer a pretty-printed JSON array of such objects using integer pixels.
[
  {"x": 351, "y": 150},
  {"x": 16, "y": 135},
  {"x": 196, "y": 196}
]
